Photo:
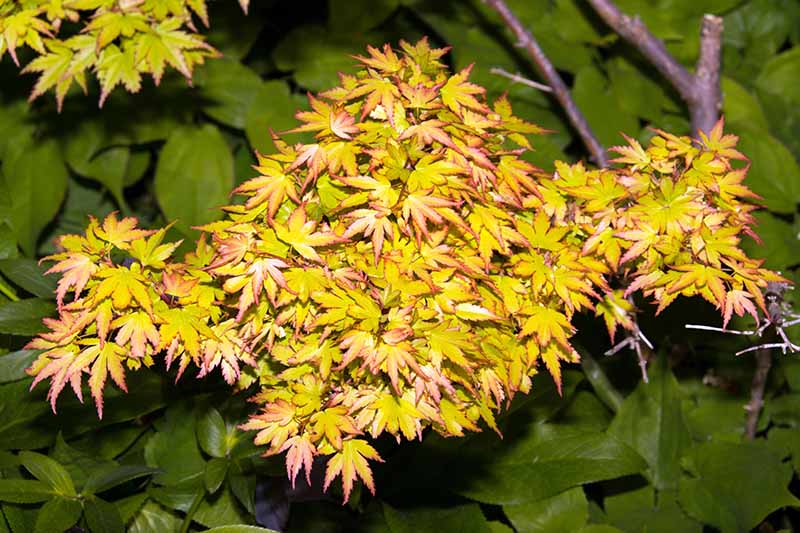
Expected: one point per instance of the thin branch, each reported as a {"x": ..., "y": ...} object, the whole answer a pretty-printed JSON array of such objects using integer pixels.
[
  {"x": 707, "y": 102},
  {"x": 753, "y": 408},
  {"x": 526, "y": 40},
  {"x": 701, "y": 90},
  {"x": 521, "y": 79}
]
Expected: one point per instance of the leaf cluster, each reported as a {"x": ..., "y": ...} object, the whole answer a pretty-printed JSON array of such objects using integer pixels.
[{"x": 406, "y": 270}]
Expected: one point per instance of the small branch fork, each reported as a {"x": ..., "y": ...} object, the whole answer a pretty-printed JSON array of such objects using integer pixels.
[
  {"x": 780, "y": 317},
  {"x": 634, "y": 341}
]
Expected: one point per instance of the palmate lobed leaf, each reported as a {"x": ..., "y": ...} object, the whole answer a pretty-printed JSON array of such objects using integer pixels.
[{"x": 406, "y": 270}]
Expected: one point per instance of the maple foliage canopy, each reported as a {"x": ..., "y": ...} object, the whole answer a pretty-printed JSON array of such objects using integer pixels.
[{"x": 407, "y": 270}]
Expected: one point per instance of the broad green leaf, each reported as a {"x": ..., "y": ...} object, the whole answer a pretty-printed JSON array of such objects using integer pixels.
[
  {"x": 780, "y": 95},
  {"x": 130, "y": 506},
  {"x": 94, "y": 151},
  {"x": 193, "y": 176},
  {"x": 466, "y": 518},
  {"x": 644, "y": 510},
  {"x": 24, "y": 491},
  {"x": 212, "y": 433},
  {"x": 8, "y": 242},
  {"x": 58, "y": 514},
  {"x": 563, "y": 513},
  {"x": 604, "y": 114},
  {"x": 48, "y": 471},
  {"x": 272, "y": 109},
  {"x": 651, "y": 422},
  {"x": 359, "y": 15},
  {"x": 229, "y": 89},
  {"x": 634, "y": 91},
  {"x": 315, "y": 56},
  {"x": 243, "y": 488},
  {"x": 35, "y": 183},
  {"x": 173, "y": 449},
  {"x": 734, "y": 486},
  {"x": 220, "y": 509},
  {"x": 113, "y": 475},
  {"x": 13, "y": 365},
  {"x": 774, "y": 173},
  {"x": 21, "y": 518},
  {"x": 240, "y": 529},
  {"x": 587, "y": 412},
  {"x": 25, "y": 316},
  {"x": 786, "y": 442},
  {"x": 102, "y": 517},
  {"x": 739, "y": 106},
  {"x": 79, "y": 465},
  {"x": 232, "y": 32},
  {"x": 153, "y": 517},
  {"x": 780, "y": 245},
  {"x": 29, "y": 275},
  {"x": 216, "y": 469},
  {"x": 547, "y": 461}
]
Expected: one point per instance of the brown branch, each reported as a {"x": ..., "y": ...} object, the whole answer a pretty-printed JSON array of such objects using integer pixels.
[
  {"x": 526, "y": 40},
  {"x": 701, "y": 90},
  {"x": 708, "y": 95},
  {"x": 753, "y": 407}
]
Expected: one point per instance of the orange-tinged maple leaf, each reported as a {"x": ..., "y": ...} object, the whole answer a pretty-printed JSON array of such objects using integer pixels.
[
  {"x": 351, "y": 463},
  {"x": 138, "y": 329},
  {"x": 384, "y": 60},
  {"x": 77, "y": 269},
  {"x": 123, "y": 285},
  {"x": 739, "y": 302},
  {"x": 275, "y": 424},
  {"x": 397, "y": 415},
  {"x": 120, "y": 232},
  {"x": 722, "y": 144},
  {"x": 150, "y": 252},
  {"x": 458, "y": 93},
  {"x": 633, "y": 154},
  {"x": 423, "y": 208},
  {"x": 333, "y": 424},
  {"x": 299, "y": 233},
  {"x": 300, "y": 454},
  {"x": 546, "y": 323},
  {"x": 107, "y": 361},
  {"x": 427, "y": 132}
]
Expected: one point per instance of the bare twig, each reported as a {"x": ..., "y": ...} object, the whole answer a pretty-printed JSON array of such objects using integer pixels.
[
  {"x": 634, "y": 340},
  {"x": 700, "y": 91},
  {"x": 526, "y": 40},
  {"x": 753, "y": 408},
  {"x": 521, "y": 79}
]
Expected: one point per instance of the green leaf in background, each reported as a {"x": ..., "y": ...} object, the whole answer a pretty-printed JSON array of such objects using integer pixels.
[
  {"x": 29, "y": 275},
  {"x": 272, "y": 109},
  {"x": 220, "y": 509},
  {"x": 315, "y": 56},
  {"x": 563, "y": 513},
  {"x": 173, "y": 449},
  {"x": 78, "y": 464},
  {"x": 240, "y": 529},
  {"x": 462, "y": 518},
  {"x": 645, "y": 509},
  {"x": 549, "y": 460},
  {"x": 734, "y": 486},
  {"x": 114, "y": 475},
  {"x": 786, "y": 442},
  {"x": 212, "y": 433},
  {"x": 634, "y": 91},
  {"x": 58, "y": 514},
  {"x": 780, "y": 247},
  {"x": 24, "y": 491},
  {"x": 153, "y": 517},
  {"x": 774, "y": 173},
  {"x": 8, "y": 242},
  {"x": 216, "y": 470},
  {"x": 100, "y": 155},
  {"x": 25, "y": 316},
  {"x": 779, "y": 92},
  {"x": 604, "y": 114},
  {"x": 651, "y": 422},
  {"x": 359, "y": 15},
  {"x": 741, "y": 107},
  {"x": 229, "y": 88},
  {"x": 194, "y": 176},
  {"x": 35, "y": 183},
  {"x": 48, "y": 471},
  {"x": 102, "y": 517},
  {"x": 13, "y": 365}
]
